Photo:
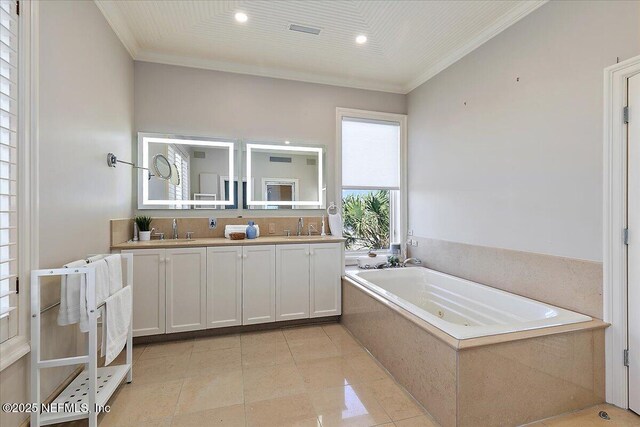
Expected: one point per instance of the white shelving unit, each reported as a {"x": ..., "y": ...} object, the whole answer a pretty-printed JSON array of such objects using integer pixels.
[{"x": 90, "y": 390}]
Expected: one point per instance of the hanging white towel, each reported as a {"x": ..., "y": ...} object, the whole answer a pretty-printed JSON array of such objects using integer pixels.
[
  {"x": 118, "y": 317},
  {"x": 70, "y": 286},
  {"x": 335, "y": 224},
  {"x": 114, "y": 262},
  {"x": 101, "y": 291}
]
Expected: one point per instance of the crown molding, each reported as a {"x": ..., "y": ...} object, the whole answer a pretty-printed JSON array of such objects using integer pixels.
[
  {"x": 112, "y": 14},
  {"x": 261, "y": 71},
  {"x": 500, "y": 25}
]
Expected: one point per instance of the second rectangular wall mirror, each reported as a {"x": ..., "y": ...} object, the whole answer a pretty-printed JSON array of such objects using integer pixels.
[
  {"x": 284, "y": 176},
  {"x": 206, "y": 169}
]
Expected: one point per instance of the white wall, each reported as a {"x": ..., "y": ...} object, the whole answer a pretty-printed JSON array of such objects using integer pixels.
[
  {"x": 498, "y": 162},
  {"x": 86, "y": 110},
  {"x": 189, "y": 101}
]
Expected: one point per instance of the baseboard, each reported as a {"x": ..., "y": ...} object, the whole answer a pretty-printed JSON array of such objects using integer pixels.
[{"x": 232, "y": 330}]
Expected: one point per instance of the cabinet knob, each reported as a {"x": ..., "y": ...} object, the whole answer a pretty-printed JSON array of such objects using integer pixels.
[{"x": 245, "y": 256}]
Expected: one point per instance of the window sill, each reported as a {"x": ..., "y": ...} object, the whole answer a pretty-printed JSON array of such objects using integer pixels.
[
  {"x": 13, "y": 350},
  {"x": 351, "y": 258}
]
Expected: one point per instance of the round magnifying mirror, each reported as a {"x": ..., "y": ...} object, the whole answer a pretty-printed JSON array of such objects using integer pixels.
[
  {"x": 175, "y": 175},
  {"x": 161, "y": 167}
]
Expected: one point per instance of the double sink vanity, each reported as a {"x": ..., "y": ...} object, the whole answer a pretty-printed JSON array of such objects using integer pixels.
[{"x": 183, "y": 285}]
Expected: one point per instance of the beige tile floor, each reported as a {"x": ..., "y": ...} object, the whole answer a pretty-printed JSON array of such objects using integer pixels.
[{"x": 316, "y": 376}]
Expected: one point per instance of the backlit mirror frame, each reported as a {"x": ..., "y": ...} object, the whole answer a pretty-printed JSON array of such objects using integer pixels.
[
  {"x": 145, "y": 138},
  {"x": 308, "y": 204}
]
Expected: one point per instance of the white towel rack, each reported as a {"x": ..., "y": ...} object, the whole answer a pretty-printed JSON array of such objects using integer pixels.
[{"x": 92, "y": 389}]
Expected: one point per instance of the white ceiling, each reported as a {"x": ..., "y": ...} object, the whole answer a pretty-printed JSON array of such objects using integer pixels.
[{"x": 408, "y": 41}]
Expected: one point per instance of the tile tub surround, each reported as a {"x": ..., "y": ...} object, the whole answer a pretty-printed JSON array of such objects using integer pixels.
[
  {"x": 502, "y": 383},
  {"x": 122, "y": 229},
  {"x": 565, "y": 282}
]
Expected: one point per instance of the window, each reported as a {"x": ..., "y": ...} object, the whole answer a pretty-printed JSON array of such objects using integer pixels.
[
  {"x": 8, "y": 170},
  {"x": 372, "y": 175}
]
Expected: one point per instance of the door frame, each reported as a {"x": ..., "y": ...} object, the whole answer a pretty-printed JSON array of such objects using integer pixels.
[{"x": 614, "y": 222}]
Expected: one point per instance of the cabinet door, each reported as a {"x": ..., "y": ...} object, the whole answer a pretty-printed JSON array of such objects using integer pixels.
[
  {"x": 326, "y": 270},
  {"x": 258, "y": 284},
  {"x": 292, "y": 282},
  {"x": 148, "y": 291},
  {"x": 224, "y": 287},
  {"x": 186, "y": 289}
]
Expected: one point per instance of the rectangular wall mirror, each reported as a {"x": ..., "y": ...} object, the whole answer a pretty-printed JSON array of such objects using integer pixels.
[
  {"x": 206, "y": 169},
  {"x": 284, "y": 176}
]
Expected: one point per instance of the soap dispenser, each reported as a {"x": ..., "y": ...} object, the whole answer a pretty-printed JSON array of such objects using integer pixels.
[{"x": 252, "y": 232}]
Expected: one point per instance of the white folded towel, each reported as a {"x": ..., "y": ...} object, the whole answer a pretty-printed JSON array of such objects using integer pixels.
[
  {"x": 101, "y": 291},
  {"x": 70, "y": 286},
  {"x": 118, "y": 318},
  {"x": 114, "y": 262}
]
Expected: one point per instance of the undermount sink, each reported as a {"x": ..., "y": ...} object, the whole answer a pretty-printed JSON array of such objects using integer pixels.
[
  {"x": 176, "y": 240},
  {"x": 303, "y": 237}
]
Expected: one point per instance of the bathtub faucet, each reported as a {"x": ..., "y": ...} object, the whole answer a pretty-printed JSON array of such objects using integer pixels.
[{"x": 414, "y": 261}]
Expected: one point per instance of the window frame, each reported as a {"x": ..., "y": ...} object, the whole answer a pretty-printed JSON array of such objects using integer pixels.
[
  {"x": 16, "y": 347},
  {"x": 401, "y": 119}
]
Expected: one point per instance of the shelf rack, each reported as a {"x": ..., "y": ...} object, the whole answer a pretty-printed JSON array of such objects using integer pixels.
[{"x": 92, "y": 389}]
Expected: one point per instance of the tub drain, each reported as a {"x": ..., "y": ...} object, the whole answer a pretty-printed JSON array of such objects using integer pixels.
[
  {"x": 604, "y": 415},
  {"x": 440, "y": 313}
]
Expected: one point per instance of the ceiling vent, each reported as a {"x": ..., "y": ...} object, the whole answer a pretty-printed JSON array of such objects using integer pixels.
[{"x": 304, "y": 29}]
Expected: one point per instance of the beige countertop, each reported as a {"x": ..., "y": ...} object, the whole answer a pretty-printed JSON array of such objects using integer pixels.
[{"x": 221, "y": 241}]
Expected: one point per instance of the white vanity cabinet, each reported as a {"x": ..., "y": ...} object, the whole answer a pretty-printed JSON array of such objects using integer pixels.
[
  {"x": 148, "y": 291},
  {"x": 325, "y": 279},
  {"x": 258, "y": 284},
  {"x": 292, "y": 281},
  {"x": 169, "y": 290},
  {"x": 186, "y": 273},
  {"x": 187, "y": 289},
  {"x": 224, "y": 286}
]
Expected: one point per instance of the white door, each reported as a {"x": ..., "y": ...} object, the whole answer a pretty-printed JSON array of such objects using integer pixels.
[
  {"x": 258, "y": 284},
  {"x": 148, "y": 291},
  {"x": 326, "y": 280},
  {"x": 224, "y": 286},
  {"x": 186, "y": 289},
  {"x": 292, "y": 282},
  {"x": 633, "y": 220}
]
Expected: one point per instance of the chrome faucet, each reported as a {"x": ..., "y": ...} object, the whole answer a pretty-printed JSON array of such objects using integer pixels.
[
  {"x": 311, "y": 229},
  {"x": 175, "y": 228},
  {"x": 415, "y": 261},
  {"x": 300, "y": 227}
]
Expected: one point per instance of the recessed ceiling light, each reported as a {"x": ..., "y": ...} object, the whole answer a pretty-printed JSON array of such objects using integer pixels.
[
  {"x": 241, "y": 17},
  {"x": 361, "y": 39},
  {"x": 287, "y": 142}
]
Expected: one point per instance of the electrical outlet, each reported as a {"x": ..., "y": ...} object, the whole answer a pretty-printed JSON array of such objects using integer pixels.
[
  {"x": 410, "y": 232},
  {"x": 272, "y": 228},
  {"x": 213, "y": 223}
]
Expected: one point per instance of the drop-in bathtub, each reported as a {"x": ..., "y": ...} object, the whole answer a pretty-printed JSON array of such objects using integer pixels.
[
  {"x": 461, "y": 308},
  {"x": 471, "y": 354}
]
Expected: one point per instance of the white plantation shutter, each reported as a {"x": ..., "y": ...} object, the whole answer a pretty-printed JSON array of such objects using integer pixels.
[
  {"x": 181, "y": 191},
  {"x": 8, "y": 169}
]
